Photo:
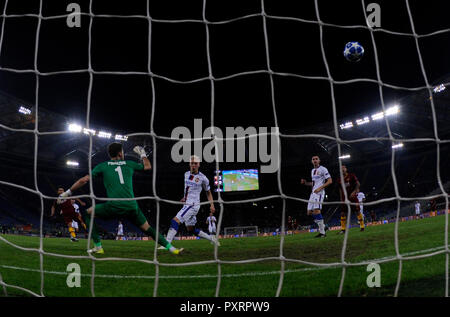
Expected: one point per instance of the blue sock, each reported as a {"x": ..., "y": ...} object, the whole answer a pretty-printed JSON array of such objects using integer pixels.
[
  {"x": 317, "y": 217},
  {"x": 174, "y": 225}
]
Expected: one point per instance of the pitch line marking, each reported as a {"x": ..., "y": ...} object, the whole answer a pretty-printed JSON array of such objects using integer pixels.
[{"x": 209, "y": 275}]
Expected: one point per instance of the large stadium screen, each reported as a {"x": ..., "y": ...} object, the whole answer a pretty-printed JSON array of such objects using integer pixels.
[{"x": 236, "y": 180}]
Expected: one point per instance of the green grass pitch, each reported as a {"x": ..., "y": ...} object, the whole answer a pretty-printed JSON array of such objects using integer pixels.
[{"x": 422, "y": 277}]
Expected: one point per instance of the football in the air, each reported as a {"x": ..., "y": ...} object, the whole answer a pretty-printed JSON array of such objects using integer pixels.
[{"x": 353, "y": 51}]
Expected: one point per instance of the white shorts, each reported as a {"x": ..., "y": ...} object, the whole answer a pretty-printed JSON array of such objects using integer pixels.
[
  {"x": 315, "y": 201},
  {"x": 212, "y": 229},
  {"x": 417, "y": 212},
  {"x": 74, "y": 224},
  {"x": 120, "y": 233},
  {"x": 187, "y": 214}
]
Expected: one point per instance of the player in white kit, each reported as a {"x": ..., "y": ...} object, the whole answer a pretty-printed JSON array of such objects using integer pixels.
[
  {"x": 417, "y": 207},
  {"x": 321, "y": 178},
  {"x": 194, "y": 183},
  {"x": 119, "y": 231},
  {"x": 361, "y": 198},
  {"x": 77, "y": 211},
  {"x": 211, "y": 222}
]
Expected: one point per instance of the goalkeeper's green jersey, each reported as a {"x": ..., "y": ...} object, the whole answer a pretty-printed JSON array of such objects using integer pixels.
[{"x": 118, "y": 180}]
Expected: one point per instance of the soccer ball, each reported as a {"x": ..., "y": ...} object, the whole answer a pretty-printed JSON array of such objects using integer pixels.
[{"x": 353, "y": 51}]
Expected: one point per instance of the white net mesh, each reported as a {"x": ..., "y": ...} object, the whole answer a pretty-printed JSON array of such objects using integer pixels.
[{"x": 400, "y": 258}]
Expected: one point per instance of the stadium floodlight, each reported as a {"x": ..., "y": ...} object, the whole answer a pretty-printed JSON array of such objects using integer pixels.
[
  {"x": 121, "y": 137},
  {"x": 396, "y": 146},
  {"x": 72, "y": 163},
  {"x": 343, "y": 157},
  {"x": 24, "y": 110},
  {"x": 392, "y": 110},
  {"x": 105, "y": 135},
  {"x": 439, "y": 88},
  {"x": 89, "y": 131},
  {"x": 73, "y": 127},
  {"x": 378, "y": 116},
  {"x": 346, "y": 125},
  {"x": 362, "y": 121}
]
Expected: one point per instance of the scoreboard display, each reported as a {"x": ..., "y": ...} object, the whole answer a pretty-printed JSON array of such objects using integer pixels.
[{"x": 236, "y": 180}]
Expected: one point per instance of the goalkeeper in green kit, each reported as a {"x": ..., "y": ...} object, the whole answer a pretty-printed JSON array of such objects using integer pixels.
[{"x": 118, "y": 181}]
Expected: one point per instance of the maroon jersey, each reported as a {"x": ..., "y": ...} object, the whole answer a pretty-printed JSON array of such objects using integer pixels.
[
  {"x": 67, "y": 209},
  {"x": 350, "y": 182},
  {"x": 64, "y": 205}
]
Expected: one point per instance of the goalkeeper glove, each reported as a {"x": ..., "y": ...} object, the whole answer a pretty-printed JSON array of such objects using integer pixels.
[
  {"x": 63, "y": 195},
  {"x": 66, "y": 193},
  {"x": 140, "y": 150}
]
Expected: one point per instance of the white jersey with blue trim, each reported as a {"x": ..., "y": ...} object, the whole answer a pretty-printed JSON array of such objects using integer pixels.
[
  {"x": 77, "y": 208},
  {"x": 211, "y": 221},
  {"x": 319, "y": 176},
  {"x": 193, "y": 186},
  {"x": 361, "y": 196}
]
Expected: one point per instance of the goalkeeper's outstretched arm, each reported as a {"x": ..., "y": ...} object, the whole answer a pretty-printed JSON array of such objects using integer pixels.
[
  {"x": 84, "y": 180},
  {"x": 211, "y": 201},
  {"x": 77, "y": 185},
  {"x": 141, "y": 151},
  {"x": 147, "y": 165},
  {"x": 82, "y": 203}
]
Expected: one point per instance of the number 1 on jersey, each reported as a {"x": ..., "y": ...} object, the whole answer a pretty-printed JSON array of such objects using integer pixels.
[{"x": 119, "y": 171}]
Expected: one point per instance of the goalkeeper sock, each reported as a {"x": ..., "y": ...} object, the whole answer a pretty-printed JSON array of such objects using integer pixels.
[
  {"x": 95, "y": 236},
  {"x": 161, "y": 240},
  {"x": 361, "y": 220},
  {"x": 343, "y": 222},
  {"x": 84, "y": 226}
]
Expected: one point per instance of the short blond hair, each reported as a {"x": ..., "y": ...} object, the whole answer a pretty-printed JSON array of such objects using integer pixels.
[{"x": 194, "y": 158}]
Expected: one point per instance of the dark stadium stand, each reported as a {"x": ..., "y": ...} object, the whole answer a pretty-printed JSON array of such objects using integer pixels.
[{"x": 415, "y": 168}]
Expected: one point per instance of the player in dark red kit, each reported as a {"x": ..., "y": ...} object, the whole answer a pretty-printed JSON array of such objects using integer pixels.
[
  {"x": 352, "y": 185},
  {"x": 68, "y": 213}
]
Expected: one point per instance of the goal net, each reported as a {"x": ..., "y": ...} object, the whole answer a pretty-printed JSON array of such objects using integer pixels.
[{"x": 176, "y": 77}]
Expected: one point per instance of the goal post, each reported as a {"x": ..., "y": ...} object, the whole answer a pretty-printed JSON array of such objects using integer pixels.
[{"x": 246, "y": 231}]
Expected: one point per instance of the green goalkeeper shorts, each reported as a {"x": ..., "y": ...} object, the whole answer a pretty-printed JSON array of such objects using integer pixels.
[{"x": 114, "y": 210}]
